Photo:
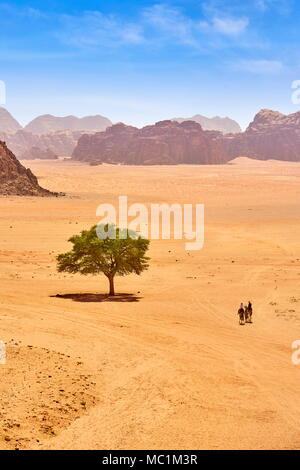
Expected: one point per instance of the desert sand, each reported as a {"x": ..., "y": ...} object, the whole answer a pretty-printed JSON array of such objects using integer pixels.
[{"x": 167, "y": 367}]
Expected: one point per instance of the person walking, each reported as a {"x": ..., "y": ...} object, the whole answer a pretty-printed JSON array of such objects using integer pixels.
[
  {"x": 250, "y": 311},
  {"x": 241, "y": 314}
]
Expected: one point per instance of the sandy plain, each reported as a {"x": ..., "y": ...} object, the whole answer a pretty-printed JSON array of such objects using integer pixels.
[{"x": 167, "y": 367}]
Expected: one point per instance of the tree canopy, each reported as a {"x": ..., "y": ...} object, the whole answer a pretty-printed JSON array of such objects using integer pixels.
[{"x": 122, "y": 255}]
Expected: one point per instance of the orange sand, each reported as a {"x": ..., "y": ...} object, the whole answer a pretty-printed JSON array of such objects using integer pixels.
[{"x": 172, "y": 369}]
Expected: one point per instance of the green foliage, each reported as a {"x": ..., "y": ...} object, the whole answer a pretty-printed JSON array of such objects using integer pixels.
[{"x": 120, "y": 256}]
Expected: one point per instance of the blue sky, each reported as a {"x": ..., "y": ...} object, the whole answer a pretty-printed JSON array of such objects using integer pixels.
[{"x": 144, "y": 61}]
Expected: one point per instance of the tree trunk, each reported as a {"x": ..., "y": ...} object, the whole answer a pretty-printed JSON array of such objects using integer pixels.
[{"x": 111, "y": 285}]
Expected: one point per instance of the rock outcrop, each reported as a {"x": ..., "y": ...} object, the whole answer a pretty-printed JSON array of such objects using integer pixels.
[
  {"x": 224, "y": 125},
  {"x": 48, "y": 123},
  {"x": 15, "y": 179},
  {"x": 271, "y": 135},
  {"x": 165, "y": 143},
  {"x": 60, "y": 143},
  {"x": 7, "y": 122},
  {"x": 37, "y": 153},
  {"x": 59, "y": 135}
]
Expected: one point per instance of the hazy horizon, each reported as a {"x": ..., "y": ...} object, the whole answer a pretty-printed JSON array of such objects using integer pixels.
[
  {"x": 80, "y": 116},
  {"x": 25, "y": 123}
]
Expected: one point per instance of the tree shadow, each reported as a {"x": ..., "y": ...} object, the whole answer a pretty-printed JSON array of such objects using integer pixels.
[{"x": 88, "y": 297}]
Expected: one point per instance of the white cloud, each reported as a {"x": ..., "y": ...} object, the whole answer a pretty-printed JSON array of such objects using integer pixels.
[
  {"x": 262, "y": 4},
  {"x": 92, "y": 28},
  {"x": 260, "y": 66},
  {"x": 227, "y": 26},
  {"x": 283, "y": 6},
  {"x": 170, "y": 21},
  {"x": 157, "y": 25},
  {"x": 27, "y": 12}
]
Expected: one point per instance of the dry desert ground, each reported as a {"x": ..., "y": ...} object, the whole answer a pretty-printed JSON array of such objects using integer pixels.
[{"x": 167, "y": 367}]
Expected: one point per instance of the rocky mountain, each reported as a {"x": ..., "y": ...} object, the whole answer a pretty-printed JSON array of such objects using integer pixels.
[
  {"x": 15, "y": 179},
  {"x": 224, "y": 125},
  {"x": 267, "y": 118},
  {"x": 48, "y": 123},
  {"x": 7, "y": 122},
  {"x": 271, "y": 135},
  {"x": 55, "y": 136},
  {"x": 60, "y": 143},
  {"x": 165, "y": 143},
  {"x": 38, "y": 153}
]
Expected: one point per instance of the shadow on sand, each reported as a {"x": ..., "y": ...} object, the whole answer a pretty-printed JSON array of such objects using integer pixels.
[{"x": 87, "y": 297}]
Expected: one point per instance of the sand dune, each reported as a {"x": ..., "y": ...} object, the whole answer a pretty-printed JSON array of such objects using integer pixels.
[{"x": 172, "y": 369}]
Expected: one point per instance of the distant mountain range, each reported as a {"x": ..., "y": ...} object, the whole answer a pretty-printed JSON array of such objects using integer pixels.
[
  {"x": 165, "y": 143},
  {"x": 224, "y": 125},
  {"x": 271, "y": 135},
  {"x": 48, "y": 123},
  {"x": 7, "y": 122},
  {"x": 48, "y": 135},
  {"x": 26, "y": 145}
]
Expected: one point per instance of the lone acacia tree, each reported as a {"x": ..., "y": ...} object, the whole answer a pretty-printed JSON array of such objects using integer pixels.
[{"x": 90, "y": 254}]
